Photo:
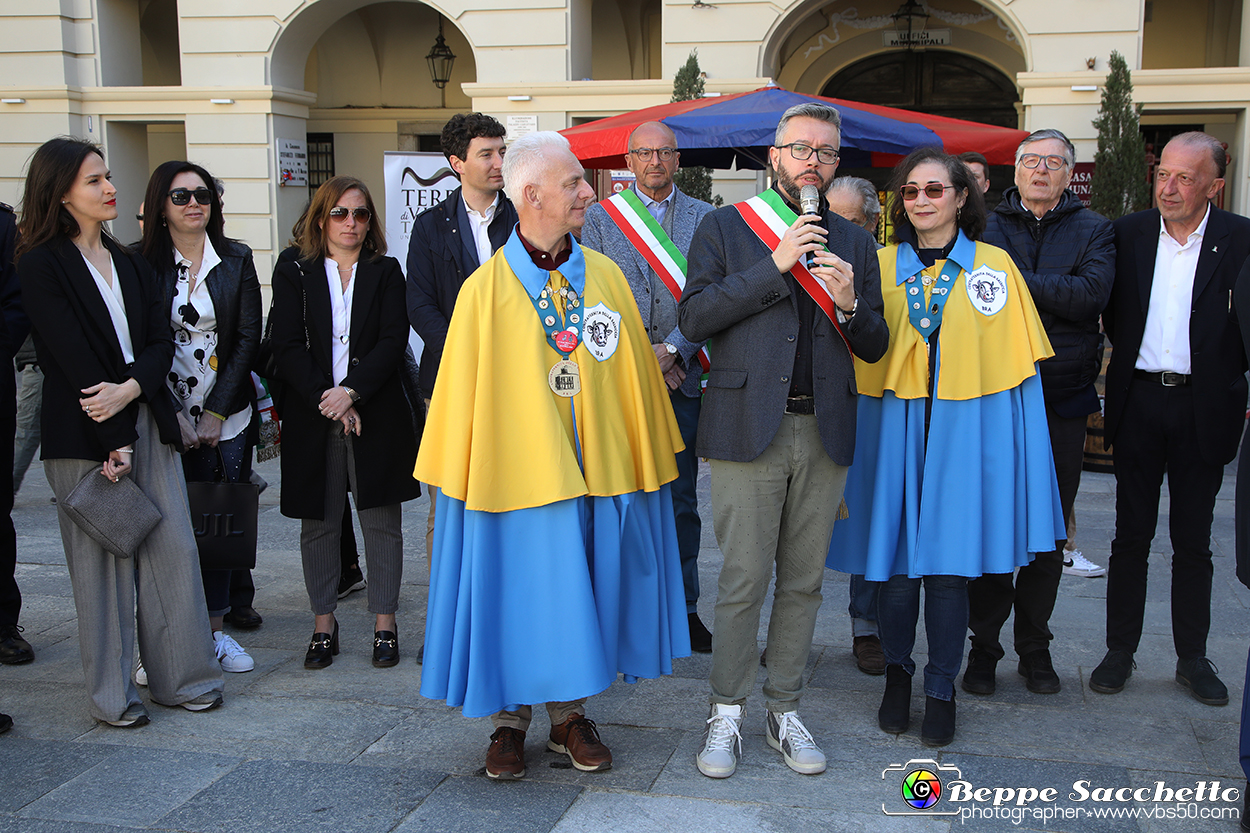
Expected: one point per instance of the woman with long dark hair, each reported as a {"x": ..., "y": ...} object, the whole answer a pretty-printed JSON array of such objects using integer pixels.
[
  {"x": 953, "y": 473},
  {"x": 102, "y": 338},
  {"x": 212, "y": 297},
  {"x": 340, "y": 327}
]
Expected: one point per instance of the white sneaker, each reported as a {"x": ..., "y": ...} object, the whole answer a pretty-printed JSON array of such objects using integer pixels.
[
  {"x": 141, "y": 674},
  {"x": 1075, "y": 564},
  {"x": 787, "y": 734},
  {"x": 718, "y": 759},
  {"x": 233, "y": 657}
]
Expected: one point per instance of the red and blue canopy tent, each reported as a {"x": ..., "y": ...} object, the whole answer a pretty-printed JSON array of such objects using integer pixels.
[{"x": 728, "y": 130}]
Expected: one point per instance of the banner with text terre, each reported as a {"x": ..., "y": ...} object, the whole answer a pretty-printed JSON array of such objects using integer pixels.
[{"x": 415, "y": 183}]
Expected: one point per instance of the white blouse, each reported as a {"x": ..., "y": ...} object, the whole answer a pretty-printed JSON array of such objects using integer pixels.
[
  {"x": 340, "y": 319},
  {"x": 112, "y": 296}
]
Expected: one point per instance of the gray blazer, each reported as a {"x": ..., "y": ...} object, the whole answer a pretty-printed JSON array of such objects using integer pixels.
[
  {"x": 736, "y": 298},
  {"x": 602, "y": 234}
]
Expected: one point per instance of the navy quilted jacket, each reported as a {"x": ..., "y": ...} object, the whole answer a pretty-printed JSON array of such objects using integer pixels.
[{"x": 1068, "y": 260}]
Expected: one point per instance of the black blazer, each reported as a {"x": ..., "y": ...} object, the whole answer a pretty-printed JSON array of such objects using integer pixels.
[
  {"x": 735, "y": 297},
  {"x": 1218, "y": 362},
  {"x": 235, "y": 290},
  {"x": 438, "y": 264},
  {"x": 386, "y": 450},
  {"x": 78, "y": 348}
]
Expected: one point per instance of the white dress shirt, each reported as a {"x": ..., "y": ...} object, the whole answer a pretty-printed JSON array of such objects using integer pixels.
[
  {"x": 657, "y": 208},
  {"x": 480, "y": 224},
  {"x": 1165, "y": 341},
  {"x": 340, "y": 319}
]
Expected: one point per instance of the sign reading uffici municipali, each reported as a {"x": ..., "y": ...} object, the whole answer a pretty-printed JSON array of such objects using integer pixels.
[{"x": 928, "y": 37}]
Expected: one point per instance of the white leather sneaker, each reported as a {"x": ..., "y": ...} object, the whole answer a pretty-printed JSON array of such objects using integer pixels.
[{"x": 718, "y": 758}]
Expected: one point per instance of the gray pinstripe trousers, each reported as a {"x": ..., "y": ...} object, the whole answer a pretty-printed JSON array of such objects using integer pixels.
[
  {"x": 319, "y": 539},
  {"x": 162, "y": 581}
]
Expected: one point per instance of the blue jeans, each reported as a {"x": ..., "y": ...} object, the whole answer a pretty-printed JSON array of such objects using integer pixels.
[
  {"x": 686, "y": 498},
  {"x": 945, "y": 623},
  {"x": 863, "y": 606}
]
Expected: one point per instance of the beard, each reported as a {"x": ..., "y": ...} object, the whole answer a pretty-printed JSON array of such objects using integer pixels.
[{"x": 791, "y": 188}]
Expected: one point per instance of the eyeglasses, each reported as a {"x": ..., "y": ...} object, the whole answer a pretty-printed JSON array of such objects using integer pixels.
[
  {"x": 934, "y": 191},
  {"x": 1032, "y": 160},
  {"x": 340, "y": 213},
  {"x": 182, "y": 196},
  {"x": 645, "y": 154},
  {"x": 801, "y": 152}
]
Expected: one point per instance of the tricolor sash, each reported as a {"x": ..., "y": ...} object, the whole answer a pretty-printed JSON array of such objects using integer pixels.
[
  {"x": 653, "y": 243},
  {"x": 768, "y": 216}
]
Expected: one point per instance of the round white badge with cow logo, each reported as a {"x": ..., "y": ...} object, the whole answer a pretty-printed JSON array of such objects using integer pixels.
[
  {"x": 987, "y": 290},
  {"x": 601, "y": 331}
]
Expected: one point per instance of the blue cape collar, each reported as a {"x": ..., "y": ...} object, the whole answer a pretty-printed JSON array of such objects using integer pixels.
[{"x": 907, "y": 262}]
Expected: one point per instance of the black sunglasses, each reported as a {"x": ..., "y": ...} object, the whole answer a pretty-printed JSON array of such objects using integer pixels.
[
  {"x": 182, "y": 196},
  {"x": 340, "y": 213}
]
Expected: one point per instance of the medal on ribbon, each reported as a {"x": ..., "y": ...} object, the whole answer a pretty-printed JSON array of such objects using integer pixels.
[{"x": 565, "y": 377}]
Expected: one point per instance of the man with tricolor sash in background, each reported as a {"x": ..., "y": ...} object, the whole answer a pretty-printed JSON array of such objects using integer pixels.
[
  {"x": 646, "y": 229},
  {"x": 778, "y": 418}
]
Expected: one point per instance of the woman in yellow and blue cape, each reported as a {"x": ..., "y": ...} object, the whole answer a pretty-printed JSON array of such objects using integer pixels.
[{"x": 953, "y": 474}]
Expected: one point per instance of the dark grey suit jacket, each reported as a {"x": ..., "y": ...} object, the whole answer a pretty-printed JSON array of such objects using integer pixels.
[
  {"x": 602, "y": 234},
  {"x": 736, "y": 297}
]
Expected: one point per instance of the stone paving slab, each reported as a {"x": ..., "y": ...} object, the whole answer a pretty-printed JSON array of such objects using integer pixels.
[
  {"x": 106, "y": 792},
  {"x": 475, "y": 804},
  {"x": 298, "y": 796},
  {"x": 34, "y": 768},
  {"x": 661, "y": 814}
]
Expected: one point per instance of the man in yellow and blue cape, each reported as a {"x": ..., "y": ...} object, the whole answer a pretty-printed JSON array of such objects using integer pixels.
[{"x": 551, "y": 441}]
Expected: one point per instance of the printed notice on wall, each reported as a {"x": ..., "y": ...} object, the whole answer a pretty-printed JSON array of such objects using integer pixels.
[
  {"x": 293, "y": 162},
  {"x": 518, "y": 126}
]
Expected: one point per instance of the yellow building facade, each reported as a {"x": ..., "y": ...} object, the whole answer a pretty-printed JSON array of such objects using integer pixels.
[{"x": 223, "y": 82}]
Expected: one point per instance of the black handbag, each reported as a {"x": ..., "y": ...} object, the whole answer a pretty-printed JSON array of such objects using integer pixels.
[{"x": 224, "y": 517}]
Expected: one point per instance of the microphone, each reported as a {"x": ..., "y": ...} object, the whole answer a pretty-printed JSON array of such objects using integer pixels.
[
  {"x": 809, "y": 199},
  {"x": 809, "y": 203}
]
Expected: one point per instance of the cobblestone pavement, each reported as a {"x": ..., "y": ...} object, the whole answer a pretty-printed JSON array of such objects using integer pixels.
[{"x": 355, "y": 748}]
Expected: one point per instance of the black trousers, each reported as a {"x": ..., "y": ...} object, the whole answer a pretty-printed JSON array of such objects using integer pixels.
[
  {"x": 1159, "y": 433},
  {"x": 992, "y": 597},
  {"x": 10, "y": 596}
]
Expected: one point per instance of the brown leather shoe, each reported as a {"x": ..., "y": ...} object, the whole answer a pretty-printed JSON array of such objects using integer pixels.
[
  {"x": 505, "y": 759},
  {"x": 578, "y": 738},
  {"x": 869, "y": 657}
]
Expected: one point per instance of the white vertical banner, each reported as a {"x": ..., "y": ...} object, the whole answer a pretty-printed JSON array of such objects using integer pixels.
[{"x": 415, "y": 182}]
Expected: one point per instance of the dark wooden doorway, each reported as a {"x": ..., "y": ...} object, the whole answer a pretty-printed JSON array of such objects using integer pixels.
[{"x": 930, "y": 81}]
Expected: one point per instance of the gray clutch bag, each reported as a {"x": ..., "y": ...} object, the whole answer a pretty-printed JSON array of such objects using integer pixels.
[{"x": 117, "y": 516}]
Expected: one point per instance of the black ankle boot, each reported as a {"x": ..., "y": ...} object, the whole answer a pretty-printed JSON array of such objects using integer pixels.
[
  {"x": 894, "y": 716},
  {"x": 938, "y": 728}
]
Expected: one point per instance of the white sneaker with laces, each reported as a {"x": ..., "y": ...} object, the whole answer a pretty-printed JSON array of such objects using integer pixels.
[
  {"x": 718, "y": 758},
  {"x": 1075, "y": 564},
  {"x": 787, "y": 734},
  {"x": 141, "y": 674},
  {"x": 233, "y": 657}
]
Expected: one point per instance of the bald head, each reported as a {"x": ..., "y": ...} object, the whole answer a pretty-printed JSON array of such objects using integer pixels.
[{"x": 648, "y": 144}]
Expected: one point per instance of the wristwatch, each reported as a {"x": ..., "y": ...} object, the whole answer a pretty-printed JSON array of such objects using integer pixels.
[
  {"x": 672, "y": 351},
  {"x": 355, "y": 396},
  {"x": 851, "y": 312}
]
